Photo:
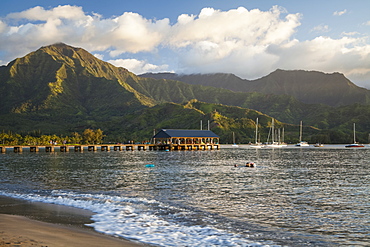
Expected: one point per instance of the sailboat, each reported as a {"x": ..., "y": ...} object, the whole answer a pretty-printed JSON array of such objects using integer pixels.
[
  {"x": 274, "y": 144},
  {"x": 256, "y": 143},
  {"x": 234, "y": 145},
  {"x": 281, "y": 142},
  {"x": 301, "y": 143},
  {"x": 354, "y": 144}
]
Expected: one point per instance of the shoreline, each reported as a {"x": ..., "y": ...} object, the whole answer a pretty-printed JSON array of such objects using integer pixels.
[{"x": 24, "y": 223}]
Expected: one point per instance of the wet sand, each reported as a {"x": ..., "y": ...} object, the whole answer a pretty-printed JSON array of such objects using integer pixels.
[{"x": 24, "y": 223}]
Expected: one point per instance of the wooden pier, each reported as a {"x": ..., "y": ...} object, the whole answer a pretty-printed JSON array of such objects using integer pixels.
[{"x": 108, "y": 147}]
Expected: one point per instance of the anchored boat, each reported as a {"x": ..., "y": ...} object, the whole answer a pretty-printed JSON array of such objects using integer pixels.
[{"x": 354, "y": 144}]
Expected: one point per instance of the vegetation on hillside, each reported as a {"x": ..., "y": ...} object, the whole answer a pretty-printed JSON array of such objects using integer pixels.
[
  {"x": 58, "y": 90},
  {"x": 89, "y": 136}
]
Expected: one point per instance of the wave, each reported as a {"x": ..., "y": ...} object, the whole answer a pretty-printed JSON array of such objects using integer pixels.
[{"x": 140, "y": 219}]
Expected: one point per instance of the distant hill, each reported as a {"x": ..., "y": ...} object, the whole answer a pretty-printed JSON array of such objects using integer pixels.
[
  {"x": 310, "y": 87},
  {"x": 59, "y": 89}
]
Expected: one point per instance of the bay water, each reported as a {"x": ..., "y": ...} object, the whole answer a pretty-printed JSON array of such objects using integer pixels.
[{"x": 292, "y": 197}]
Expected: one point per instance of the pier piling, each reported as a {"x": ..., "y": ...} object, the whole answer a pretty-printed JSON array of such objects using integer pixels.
[{"x": 64, "y": 149}]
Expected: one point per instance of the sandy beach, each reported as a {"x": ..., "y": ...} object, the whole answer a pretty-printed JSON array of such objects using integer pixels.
[
  {"x": 20, "y": 231},
  {"x": 64, "y": 226}
]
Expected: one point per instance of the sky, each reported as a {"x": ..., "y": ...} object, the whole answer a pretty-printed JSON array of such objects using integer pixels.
[{"x": 248, "y": 38}]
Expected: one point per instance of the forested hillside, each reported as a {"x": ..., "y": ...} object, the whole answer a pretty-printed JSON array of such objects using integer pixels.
[{"x": 60, "y": 89}]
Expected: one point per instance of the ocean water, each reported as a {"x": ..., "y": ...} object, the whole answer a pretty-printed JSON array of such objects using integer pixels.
[{"x": 292, "y": 197}]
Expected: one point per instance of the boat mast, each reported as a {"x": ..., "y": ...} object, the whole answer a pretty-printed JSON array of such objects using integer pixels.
[
  {"x": 300, "y": 133},
  {"x": 272, "y": 131},
  {"x": 256, "y": 130},
  {"x": 354, "y": 132}
]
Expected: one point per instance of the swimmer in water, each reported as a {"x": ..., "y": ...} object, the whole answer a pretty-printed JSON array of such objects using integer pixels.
[{"x": 249, "y": 164}]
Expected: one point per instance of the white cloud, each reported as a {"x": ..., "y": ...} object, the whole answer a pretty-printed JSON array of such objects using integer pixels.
[
  {"x": 138, "y": 66},
  {"x": 349, "y": 33},
  {"x": 253, "y": 43},
  {"x": 232, "y": 41},
  {"x": 129, "y": 32},
  {"x": 3, "y": 26},
  {"x": 346, "y": 55},
  {"x": 248, "y": 27},
  {"x": 248, "y": 43},
  {"x": 40, "y": 14},
  {"x": 339, "y": 13},
  {"x": 132, "y": 33},
  {"x": 321, "y": 29},
  {"x": 100, "y": 56}
]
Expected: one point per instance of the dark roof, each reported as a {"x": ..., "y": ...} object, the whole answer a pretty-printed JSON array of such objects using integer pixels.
[{"x": 168, "y": 133}]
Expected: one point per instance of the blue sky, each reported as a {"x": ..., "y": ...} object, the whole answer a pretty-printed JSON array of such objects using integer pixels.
[{"x": 249, "y": 38}]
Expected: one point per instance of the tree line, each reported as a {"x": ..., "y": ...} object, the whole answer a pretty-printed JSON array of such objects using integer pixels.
[{"x": 88, "y": 136}]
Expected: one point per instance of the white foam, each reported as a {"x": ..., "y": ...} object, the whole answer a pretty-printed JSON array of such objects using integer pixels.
[{"x": 132, "y": 218}]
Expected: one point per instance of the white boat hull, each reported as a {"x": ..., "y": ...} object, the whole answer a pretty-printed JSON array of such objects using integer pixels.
[
  {"x": 256, "y": 146},
  {"x": 302, "y": 144},
  {"x": 274, "y": 146}
]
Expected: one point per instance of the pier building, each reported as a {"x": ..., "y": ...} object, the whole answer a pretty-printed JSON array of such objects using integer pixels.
[{"x": 177, "y": 139}]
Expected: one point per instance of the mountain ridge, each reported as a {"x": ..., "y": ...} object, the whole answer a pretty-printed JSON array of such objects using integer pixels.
[{"x": 310, "y": 87}]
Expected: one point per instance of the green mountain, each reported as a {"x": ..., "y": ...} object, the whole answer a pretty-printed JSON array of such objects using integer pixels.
[
  {"x": 63, "y": 79},
  {"x": 59, "y": 89},
  {"x": 310, "y": 87}
]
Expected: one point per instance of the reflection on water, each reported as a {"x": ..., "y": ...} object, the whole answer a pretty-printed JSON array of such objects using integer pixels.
[{"x": 292, "y": 196}]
